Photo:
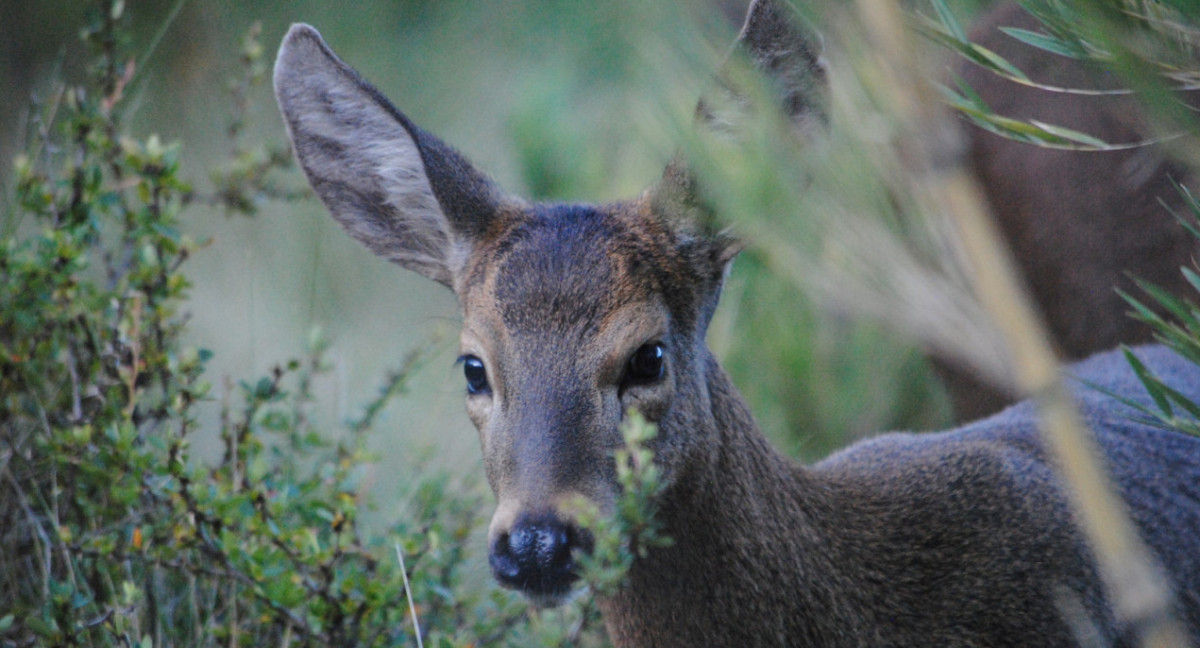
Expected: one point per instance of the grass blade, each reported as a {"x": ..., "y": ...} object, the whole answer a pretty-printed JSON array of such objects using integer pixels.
[{"x": 1042, "y": 41}]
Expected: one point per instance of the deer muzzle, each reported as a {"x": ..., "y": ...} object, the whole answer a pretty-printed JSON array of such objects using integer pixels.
[{"x": 537, "y": 556}]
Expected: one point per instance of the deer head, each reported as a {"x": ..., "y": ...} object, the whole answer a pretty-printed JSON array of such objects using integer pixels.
[{"x": 573, "y": 314}]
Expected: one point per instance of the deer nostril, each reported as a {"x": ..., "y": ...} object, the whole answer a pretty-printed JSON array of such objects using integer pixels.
[
  {"x": 543, "y": 546},
  {"x": 504, "y": 564},
  {"x": 535, "y": 556}
]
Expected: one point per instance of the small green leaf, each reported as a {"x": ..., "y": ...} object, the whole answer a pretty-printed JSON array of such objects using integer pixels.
[
  {"x": 1153, "y": 386},
  {"x": 1072, "y": 135},
  {"x": 1179, "y": 399},
  {"x": 41, "y": 627},
  {"x": 997, "y": 62},
  {"x": 1191, "y": 276},
  {"x": 1174, "y": 305},
  {"x": 264, "y": 388},
  {"x": 1141, "y": 311},
  {"x": 949, "y": 21},
  {"x": 1042, "y": 41}
]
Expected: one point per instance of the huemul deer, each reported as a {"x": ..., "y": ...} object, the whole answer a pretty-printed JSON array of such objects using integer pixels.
[{"x": 575, "y": 314}]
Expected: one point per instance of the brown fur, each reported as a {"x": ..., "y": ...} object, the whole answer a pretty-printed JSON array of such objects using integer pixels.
[{"x": 864, "y": 549}]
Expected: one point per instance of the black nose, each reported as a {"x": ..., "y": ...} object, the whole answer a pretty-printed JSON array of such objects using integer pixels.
[{"x": 535, "y": 556}]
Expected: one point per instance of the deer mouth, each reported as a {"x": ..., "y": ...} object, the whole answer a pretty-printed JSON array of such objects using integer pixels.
[{"x": 548, "y": 601}]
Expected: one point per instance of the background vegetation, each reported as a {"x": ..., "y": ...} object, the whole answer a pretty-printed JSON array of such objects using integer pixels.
[{"x": 187, "y": 334}]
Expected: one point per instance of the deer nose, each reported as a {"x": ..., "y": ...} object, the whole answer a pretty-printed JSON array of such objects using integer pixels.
[{"x": 535, "y": 557}]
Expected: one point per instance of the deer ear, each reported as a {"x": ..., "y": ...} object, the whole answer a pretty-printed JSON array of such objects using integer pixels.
[
  {"x": 398, "y": 190},
  {"x": 679, "y": 203},
  {"x": 788, "y": 53}
]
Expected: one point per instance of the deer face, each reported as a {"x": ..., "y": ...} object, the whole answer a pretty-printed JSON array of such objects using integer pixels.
[{"x": 573, "y": 315}]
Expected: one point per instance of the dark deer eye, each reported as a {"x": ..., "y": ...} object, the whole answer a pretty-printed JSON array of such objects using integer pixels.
[
  {"x": 477, "y": 382},
  {"x": 645, "y": 365}
]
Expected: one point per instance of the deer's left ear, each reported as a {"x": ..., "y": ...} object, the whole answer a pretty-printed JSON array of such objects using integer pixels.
[{"x": 395, "y": 188}]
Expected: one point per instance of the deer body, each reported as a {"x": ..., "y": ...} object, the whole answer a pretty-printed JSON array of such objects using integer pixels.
[
  {"x": 576, "y": 314},
  {"x": 956, "y": 538}
]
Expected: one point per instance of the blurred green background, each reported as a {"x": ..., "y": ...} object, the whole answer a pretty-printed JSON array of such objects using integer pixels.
[{"x": 557, "y": 101}]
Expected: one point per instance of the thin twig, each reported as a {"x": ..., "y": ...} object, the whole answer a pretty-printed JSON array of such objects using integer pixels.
[
  {"x": 40, "y": 537},
  {"x": 412, "y": 606}
]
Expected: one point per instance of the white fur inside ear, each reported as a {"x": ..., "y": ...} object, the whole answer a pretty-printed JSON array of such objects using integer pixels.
[
  {"x": 361, "y": 160},
  {"x": 401, "y": 172}
]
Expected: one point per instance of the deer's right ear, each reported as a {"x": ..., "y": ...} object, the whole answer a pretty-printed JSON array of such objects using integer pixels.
[{"x": 400, "y": 191}]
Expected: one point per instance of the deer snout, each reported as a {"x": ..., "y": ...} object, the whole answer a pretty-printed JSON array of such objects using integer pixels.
[{"x": 536, "y": 556}]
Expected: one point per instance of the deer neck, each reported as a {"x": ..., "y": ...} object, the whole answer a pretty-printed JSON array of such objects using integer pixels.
[{"x": 750, "y": 542}]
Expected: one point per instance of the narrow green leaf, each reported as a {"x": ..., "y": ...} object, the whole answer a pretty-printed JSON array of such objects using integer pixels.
[
  {"x": 1072, "y": 135},
  {"x": 1173, "y": 304},
  {"x": 997, "y": 62},
  {"x": 1153, "y": 386},
  {"x": 938, "y": 34},
  {"x": 1193, "y": 223},
  {"x": 1190, "y": 220},
  {"x": 1042, "y": 41},
  {"x": 1150, "y": 417},
  {"x": 1183, "y": 401},
  {"x": 1021, "y": 127},
  {"x": 1141, "y": 311},
  {"x": 1038, "y": 133},
  {"x": 1191, "y": 276},
  {"x": 949, "y": 21}
]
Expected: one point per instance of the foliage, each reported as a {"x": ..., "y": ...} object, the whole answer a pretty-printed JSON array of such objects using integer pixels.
[
  {"x": 1175, "y": 320},
  {"x": 632, "y": 530},
  {"x": 246, "y": 179},
  {"x": 1149, "y": 44},
  {"x": 116, "y": 536}
]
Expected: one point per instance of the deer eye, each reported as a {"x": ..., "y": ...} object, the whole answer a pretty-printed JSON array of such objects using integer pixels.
[
  {"x": 646, "y": 364},
  {"x": 476, "y": 375}
]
